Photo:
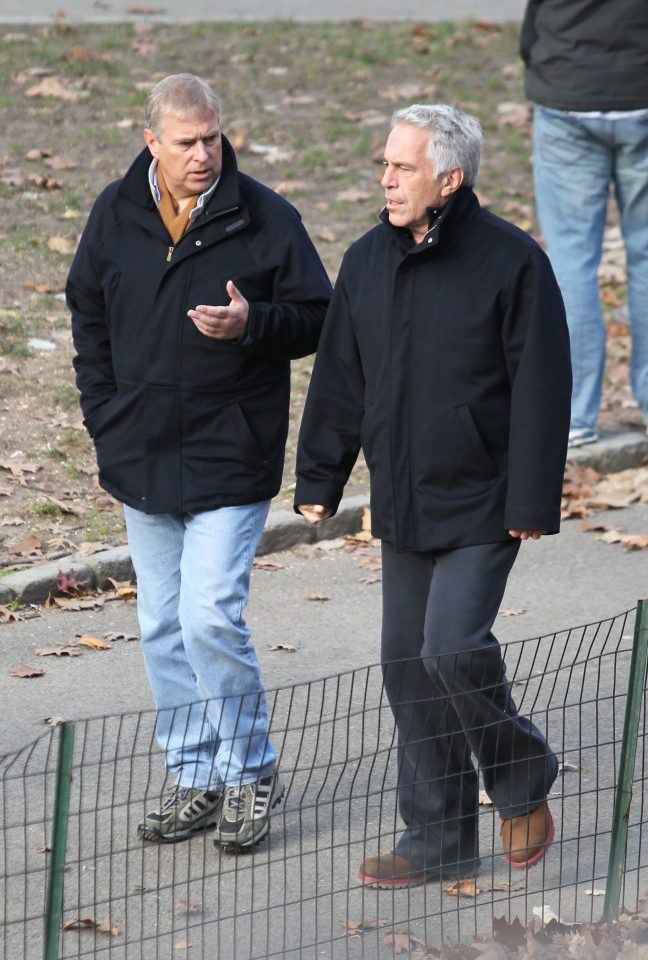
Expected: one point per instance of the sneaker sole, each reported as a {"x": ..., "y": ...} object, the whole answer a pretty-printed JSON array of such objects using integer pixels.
[
  {"x": 417, "y": 880},
  {"x": 156, "y": 836},
  {"x": 233, "y": 846}
]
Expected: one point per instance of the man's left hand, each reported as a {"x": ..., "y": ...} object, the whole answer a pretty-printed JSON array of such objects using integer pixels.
[
  {"x": 526, "y": 534},
  {"x": 223, "y": 323}
]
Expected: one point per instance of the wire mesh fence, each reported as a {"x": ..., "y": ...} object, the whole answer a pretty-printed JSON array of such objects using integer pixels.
[{"x": 296, "y": 896}]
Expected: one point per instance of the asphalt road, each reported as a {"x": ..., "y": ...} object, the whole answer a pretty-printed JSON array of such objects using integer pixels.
[{"x": 72, "y": 11}]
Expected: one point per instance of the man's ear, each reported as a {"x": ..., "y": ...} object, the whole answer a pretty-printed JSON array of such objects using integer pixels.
[
  {"x": 452, "y": 181},
  {"x": 151, "y": 141}
]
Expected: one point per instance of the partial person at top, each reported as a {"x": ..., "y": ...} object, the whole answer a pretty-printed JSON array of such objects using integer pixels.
[{"x": 587, "y": 75}]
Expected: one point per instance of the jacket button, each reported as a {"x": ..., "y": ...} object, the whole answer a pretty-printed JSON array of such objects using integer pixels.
[{"x": 199, "y": 243}]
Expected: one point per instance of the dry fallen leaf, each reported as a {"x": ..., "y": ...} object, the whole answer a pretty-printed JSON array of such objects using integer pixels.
[
  {"x": 320, "y": 597},
  {"x": 260, "y": 564},
  {"x": 95, "y": 643},
  {"x": 61, "y": 245},
  {"x": 52, "y": 87},
  {"x": 124, "y": 589},
  {"x": 354, "y": 196},
  {"x": 286, "y": 647},
  {"x": 7, "y": 615},
  {"x": 66, "y": 651},
  {"x": 181, "y": 945},
  {"x": 511, "y": 612},
  {"x": 462, "y": 888},
  {"x": 185, "y": 906},
  {"x": 23, "y": 671}
]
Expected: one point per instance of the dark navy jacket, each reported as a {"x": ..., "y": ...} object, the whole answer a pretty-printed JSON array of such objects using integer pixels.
[
  {"x": 182, "y": 422},
  {"x": 448, "y": 362}
]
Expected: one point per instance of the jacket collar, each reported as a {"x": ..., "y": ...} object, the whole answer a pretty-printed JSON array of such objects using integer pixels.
[
  {"x": 135, "y": 184},
  {"x": 461, "y": 205}
]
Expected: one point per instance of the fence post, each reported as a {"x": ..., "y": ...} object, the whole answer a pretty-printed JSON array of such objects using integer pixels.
[
  {"x": 54, "y": 905},
  {"x": 623, "y": 796}
]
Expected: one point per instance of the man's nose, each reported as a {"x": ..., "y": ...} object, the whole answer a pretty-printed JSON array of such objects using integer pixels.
[
  {"x": 200, "y": 151},
  {"x": 388, "y": 179}
]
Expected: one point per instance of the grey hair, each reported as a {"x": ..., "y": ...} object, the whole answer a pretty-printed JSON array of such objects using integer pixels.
[
  {"x": 455, "y": 138},
  {"x": 182, "y": 95}
]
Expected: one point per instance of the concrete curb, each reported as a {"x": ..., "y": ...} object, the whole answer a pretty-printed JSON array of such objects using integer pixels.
[{"x": 284, "y": 528}]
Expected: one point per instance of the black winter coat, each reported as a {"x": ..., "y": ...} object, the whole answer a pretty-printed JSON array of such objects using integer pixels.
[
  {"x": 449, "y": 363},
  {"x": 586, "y": 54},
  {"x": 182, "y": 422}
]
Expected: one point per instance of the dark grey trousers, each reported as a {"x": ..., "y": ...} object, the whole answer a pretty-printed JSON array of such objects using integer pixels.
[{"x": 446, "y": 683}]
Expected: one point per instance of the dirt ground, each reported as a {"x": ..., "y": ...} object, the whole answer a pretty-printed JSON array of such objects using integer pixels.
[{"x": 307, "y": 108}]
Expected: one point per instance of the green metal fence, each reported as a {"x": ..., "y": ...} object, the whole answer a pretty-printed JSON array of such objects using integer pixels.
[{"x": 77, "y": 882}]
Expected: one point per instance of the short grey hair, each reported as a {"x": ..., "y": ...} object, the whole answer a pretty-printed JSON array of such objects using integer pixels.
[
  {"x": 455, "y": 138},
  {"x": 181, "y": 95}
]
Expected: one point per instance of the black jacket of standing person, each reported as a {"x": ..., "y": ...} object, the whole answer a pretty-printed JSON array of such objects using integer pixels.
[
  {"x": 182, "y": 422},
  {"x": 448, "y": 362},
  {"x": 586, "y": 54}
]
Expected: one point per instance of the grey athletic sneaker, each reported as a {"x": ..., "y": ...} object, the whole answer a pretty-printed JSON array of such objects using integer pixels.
[
  {"x": 183, "y": 812},
  {"x": 246, "y": 813}
]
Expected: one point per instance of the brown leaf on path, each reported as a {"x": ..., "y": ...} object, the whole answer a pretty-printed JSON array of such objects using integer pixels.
[
  {"x": 80, "y": 923},
  {"x": 286, "y": 647},
  {"x": 29, "y": 546},
  {"x": 260, "y": 564},
  {"x": 66, "y": 651},
  {"x": 511, "y": 611},
  {"x": 113, "y": 637},
  {"x": 7, "y": 615},
  {"x": 354, "y": 928},
  {"x": 53, "y": 87},
  {"x": 317, "y": 597},
  {"x": 23, "y": 671},
  {"x": 462, "y": 888},
  {"x": 37, "y": 154},
  {"x": 45, "y": 288},
  {"x": 513, "y": 935},
  {"x": 402, "y": 941},
  {"x": 18, "y": 467},
  {"x": 95, "y": 643},
  {"x": 57, "y": 163},
  {"x": 62, "y": 245},
  {"x": 181, "y": 945},
  {"x": 124, "y": 589},
  {"x": 368, "y": 580},
  {"x": 76, "y": 603}
]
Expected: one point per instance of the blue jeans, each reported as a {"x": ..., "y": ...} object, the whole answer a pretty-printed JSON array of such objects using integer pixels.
[
  {"x": 193, "y": 578},
  {"x": 575, "y": 160}
]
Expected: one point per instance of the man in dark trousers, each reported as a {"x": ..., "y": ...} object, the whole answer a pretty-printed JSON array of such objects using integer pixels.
[
  {"x": 192, "y": 288},
  {"x": 445, "y": 355},
  {"x": 586, "y": 70}
]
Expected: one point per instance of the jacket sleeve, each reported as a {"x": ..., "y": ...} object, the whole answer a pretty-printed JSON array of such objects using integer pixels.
[
  {"x": 93, "y": 357},
  {"x": 536, "y": 346},
  {"x": 329, "y": 438},
  {"x": 290, "y": 323}
]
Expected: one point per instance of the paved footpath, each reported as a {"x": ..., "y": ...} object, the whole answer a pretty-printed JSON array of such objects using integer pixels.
[{"x": 107, "y": 11}]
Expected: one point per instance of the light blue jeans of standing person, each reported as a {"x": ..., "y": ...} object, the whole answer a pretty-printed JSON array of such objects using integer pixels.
[
  {"x": 193, "y": 576},
  {"x": 575, "y": 159}
]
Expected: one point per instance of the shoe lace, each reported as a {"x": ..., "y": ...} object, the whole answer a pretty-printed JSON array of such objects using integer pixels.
[
  {"x": 236, "y": 800},
  {"x": 175, "y": 797}
]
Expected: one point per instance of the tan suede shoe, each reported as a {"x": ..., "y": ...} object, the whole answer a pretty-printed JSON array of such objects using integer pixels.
[
  {"x": 390, "y": 872},
  {"x": 525, "y": 839}
]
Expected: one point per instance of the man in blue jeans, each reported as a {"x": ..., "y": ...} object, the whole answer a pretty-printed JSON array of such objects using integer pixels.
[
  {"x": 587, "y": 74},
  {"x": 192, "y": 288}
]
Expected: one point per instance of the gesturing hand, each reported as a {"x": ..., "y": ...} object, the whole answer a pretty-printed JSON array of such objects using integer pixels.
[{"x": 223, "y": 323}]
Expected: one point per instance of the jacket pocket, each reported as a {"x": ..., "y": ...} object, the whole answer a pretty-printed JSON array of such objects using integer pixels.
[{"x": 453, "y": 454}]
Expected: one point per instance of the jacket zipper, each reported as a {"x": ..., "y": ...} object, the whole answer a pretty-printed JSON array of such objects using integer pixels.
[
  {"x": 169, "y": 254},
  {"x": 222, "y": 213}
]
